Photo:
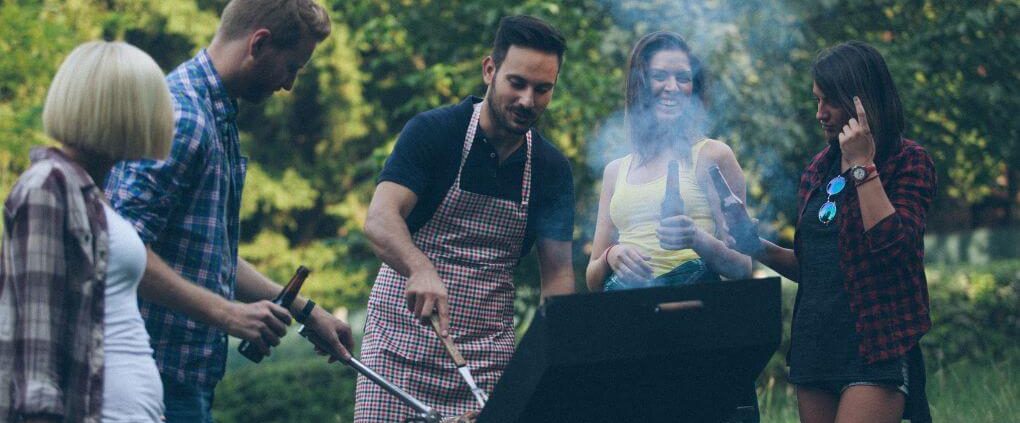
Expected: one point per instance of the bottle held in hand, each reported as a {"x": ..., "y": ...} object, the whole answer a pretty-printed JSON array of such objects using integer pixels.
[
  {"x": 672, "y": 202},
  {"x": 744, "y": 232},
  {"x": 284, "y": 299}
]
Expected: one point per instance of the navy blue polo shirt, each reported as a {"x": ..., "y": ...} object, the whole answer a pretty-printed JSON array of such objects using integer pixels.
[{"x": 428, "y": 153}]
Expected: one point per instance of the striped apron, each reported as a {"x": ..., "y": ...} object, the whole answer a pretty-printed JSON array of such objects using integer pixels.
[{"x": 474, "y": 241}]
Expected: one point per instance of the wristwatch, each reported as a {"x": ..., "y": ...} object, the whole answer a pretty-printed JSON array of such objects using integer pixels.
[{"x": 861, "y": 174}]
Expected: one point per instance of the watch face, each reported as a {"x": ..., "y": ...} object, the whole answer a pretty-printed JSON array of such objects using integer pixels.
[{"x": 859, "y": 173}]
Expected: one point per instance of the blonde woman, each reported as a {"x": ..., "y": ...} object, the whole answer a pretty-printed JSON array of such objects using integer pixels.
[{"x": 73, "y": 347}]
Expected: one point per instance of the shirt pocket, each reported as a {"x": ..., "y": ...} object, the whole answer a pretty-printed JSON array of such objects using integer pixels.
[{"x": 86, "y": 245}]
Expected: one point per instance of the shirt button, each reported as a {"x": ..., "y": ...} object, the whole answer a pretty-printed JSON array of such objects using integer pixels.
[{"x": 492, "y": 155}]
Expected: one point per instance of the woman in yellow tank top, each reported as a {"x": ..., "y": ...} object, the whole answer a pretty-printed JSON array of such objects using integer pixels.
[{"x": 633, "y": 246}]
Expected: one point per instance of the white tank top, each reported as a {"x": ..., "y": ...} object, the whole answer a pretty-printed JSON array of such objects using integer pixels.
[{"x": 132, "y": 391}]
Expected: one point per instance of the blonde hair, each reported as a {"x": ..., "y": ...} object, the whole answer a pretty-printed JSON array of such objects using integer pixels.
[
  {"x": 110, "y": 98},
  {"x": 289, "y": 21}
]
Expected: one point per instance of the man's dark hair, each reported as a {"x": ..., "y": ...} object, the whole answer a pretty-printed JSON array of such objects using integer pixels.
[
  {"x": 853, "y": 69},
  {"x": 529, "y": 32}
]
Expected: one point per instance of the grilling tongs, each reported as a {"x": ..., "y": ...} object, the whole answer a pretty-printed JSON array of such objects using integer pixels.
[
  {"x": 425, "y": 414},
  {"x": 461, "y": 363}
]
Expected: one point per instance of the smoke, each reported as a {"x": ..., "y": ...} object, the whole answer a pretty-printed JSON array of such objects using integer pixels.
[{"x": 750, "y": 50}]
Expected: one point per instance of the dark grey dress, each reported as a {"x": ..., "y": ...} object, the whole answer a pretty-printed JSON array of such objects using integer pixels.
[{"x": 824, "y": 340}]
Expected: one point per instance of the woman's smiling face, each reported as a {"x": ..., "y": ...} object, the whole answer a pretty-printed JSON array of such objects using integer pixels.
[{"x": 671, "y": 83}]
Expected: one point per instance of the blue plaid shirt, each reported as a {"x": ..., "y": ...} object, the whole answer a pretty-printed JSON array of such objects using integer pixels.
[{"x": 187, "y": 209}]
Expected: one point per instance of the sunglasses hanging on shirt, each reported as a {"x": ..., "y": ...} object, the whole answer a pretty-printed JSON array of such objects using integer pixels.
[{"x": 827, "y": 213}]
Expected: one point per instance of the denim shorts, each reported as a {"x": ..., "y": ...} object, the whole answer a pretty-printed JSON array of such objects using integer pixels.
[
  {"x": 837, "y": 387},
  {"x": 692, "y": 271}
]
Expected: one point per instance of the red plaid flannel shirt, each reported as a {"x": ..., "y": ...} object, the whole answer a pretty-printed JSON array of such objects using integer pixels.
[{"x": 883, "y": 267}]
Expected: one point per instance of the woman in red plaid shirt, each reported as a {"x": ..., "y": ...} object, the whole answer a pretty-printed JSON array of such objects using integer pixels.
[{"x": 862, "y": 302}]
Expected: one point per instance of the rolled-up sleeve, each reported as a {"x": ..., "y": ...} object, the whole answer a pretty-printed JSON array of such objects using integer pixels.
[
  {"x": 910, "y": 190},
  {"x": 37, "y": 274},
  {"x": 146, "y": 192}
]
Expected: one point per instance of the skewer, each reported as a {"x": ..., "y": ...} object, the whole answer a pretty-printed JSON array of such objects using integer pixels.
[
  {"x": 461, "y": 363},
  {"x": 426, "y": 414}
]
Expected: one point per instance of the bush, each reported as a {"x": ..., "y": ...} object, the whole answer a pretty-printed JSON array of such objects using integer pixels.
[
  {"x": 299, "y": 390},
  {"x": 973, "y": 309}
]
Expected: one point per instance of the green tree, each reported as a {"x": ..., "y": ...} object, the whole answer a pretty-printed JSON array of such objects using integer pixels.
[{"x": 955, "y": 64}]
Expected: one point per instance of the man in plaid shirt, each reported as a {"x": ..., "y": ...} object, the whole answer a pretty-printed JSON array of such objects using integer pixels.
[{"x": 186, "y": 208}]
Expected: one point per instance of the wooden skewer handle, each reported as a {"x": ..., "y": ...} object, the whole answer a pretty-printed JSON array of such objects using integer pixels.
[
  {"x": 678, "y": 306},
  {"x": 447, "y": 342}
]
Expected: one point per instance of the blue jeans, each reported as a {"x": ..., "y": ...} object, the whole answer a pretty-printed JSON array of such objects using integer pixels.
[
  {"x": 187, "y": 403},
  {"x": 688, "y": 272}
]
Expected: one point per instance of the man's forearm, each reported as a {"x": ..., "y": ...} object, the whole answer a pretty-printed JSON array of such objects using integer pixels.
[
  {"x": 254, "y": 286},
  {"x": 162, "y": 285},
  {"x": 261, "y": 322},
  {"x": 555, "y": 263},
  {"x": 391, "y": 241},
  {"x": 562, "y": 284}
]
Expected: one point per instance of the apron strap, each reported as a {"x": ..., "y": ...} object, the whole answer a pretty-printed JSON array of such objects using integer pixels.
[{"x": 469, "y": 139}]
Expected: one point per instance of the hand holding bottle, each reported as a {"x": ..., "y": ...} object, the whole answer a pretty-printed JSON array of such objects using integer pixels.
[
  {"x": 256, "y": 351},
  {"x": 677, "y": 233},
  {"x": 741, "y": 228},
  {"x": 629, "y": 263}
]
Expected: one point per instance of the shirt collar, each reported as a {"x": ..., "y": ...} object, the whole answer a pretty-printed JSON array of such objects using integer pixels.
[
  {"x": 482, "y": 146},
  {"x": 38, "y": 154},
  {"x": 519, "y": 155},
  {"x": 224, "y": 106}
]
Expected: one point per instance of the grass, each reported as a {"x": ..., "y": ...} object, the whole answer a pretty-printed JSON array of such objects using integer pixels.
[
  {"x": 972, "y": 392},
  {"x": 777, "y": 402},
  {"x": 976, "y": 392}
]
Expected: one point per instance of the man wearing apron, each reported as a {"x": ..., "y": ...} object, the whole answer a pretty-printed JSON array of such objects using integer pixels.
[{"x": 467, "y": 191}]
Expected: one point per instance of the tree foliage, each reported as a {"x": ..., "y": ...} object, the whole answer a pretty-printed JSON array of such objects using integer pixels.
[{"x": 316, "y": 151}]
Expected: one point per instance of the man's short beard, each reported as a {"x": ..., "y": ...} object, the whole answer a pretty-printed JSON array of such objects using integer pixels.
[{"x": 499, "y": 118}]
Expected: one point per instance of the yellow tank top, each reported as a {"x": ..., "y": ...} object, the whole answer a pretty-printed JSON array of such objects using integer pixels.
[{"x": 635, "y": 208}]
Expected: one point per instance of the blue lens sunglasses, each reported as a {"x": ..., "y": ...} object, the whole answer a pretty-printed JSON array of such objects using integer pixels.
[{"x": 827, "y": 213}]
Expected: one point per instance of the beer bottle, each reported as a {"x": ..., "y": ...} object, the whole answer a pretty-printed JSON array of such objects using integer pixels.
[
  {"x": 672, "y": 202},
  {"x": 284, "y": 299},
  {"x": 742, "y": 229}
]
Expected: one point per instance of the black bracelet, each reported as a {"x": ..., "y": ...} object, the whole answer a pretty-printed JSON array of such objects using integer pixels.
[{"x": 302, "y": 317}]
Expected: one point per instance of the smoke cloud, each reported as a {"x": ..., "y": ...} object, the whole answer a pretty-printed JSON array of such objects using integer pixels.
[{"x": 746, "y": 48}]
